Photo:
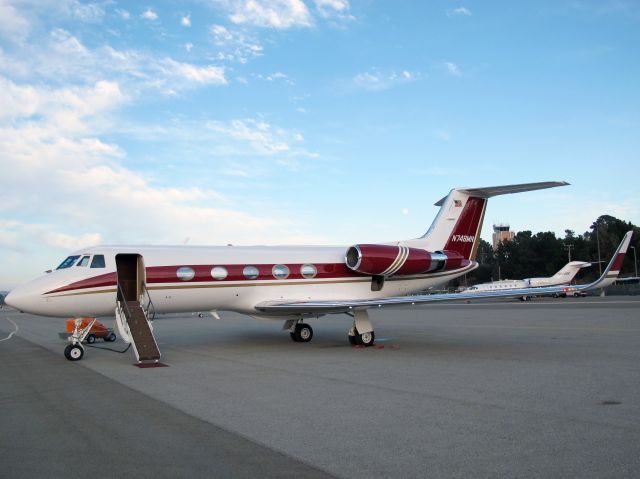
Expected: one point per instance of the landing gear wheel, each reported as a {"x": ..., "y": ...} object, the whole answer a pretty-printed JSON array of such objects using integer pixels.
[
  {"x": 110, "y": 338},
  {"x": 302, "y": 334},
  {"x": 91, "y": 338},
  {"x": 73, "y": 352},
  {"x": 352, "y": 340},
  {"x": 366, "y": 339}
]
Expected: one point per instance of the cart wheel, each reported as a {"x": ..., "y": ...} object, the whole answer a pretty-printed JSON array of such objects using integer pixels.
[
  {"x": 91, "y": 338},
  {"x": 73, "y": 352},
  {"x": 111, "y": 337}
]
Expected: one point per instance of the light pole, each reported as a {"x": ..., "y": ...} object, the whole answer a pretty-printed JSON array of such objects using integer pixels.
[
  {"x": 598, "y": 240},
  {"x": 635, "y": 264},
  {"x": 568, "y": 247},
  {"x": 599, "y": 260}
]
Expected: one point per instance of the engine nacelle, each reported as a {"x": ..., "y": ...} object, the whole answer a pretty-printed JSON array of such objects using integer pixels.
[{"x": 392, "y": 260}]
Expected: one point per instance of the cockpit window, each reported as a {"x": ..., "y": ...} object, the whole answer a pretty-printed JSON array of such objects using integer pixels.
[
  {"x": 67, "y": 263},
  {"x": 84, "y": 261},
  {"x": 98, "y": 261}
]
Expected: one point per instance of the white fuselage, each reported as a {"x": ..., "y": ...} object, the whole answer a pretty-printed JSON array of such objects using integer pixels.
[{"x": 181, "y": 279}]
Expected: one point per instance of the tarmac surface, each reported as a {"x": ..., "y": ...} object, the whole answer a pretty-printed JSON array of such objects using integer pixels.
[{"x": 548, "y": 388}]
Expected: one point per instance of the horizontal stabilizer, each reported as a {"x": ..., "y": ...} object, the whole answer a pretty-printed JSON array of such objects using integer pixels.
[{"x": 490, "y": 191}]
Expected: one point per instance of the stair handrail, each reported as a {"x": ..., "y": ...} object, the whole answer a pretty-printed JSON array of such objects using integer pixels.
[
  {"x": 122, "y": 301},
  {"x": 150, "y": 308}
]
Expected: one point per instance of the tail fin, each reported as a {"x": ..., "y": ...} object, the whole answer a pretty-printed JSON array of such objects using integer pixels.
[
  {"x": 459, "y": 222},
  {"x": 612, "y": 271},
  {"x": 569, "y": 270}
]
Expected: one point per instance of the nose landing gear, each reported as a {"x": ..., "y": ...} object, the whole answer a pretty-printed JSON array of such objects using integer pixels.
[{"x": 75, "y": 350}]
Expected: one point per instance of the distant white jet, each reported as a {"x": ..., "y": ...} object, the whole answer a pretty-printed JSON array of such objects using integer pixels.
[{"x": 562, "y": 277}]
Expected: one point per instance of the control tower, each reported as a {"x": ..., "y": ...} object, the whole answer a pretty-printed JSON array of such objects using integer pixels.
[{"x": 501, "y": 233}]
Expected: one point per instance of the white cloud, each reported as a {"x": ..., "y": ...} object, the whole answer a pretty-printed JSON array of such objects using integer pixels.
[
  {"x": 279, "y": 14},
  {"x": 124, "y": 14},
  {"x": 149, "y": 14},
  {"x": 334, "y": 9},
  {"x": 257, "y": 133},
  {"x": 459, "y": 11},
  {"x": 453, "y": 69},
  {"x": 188, "y": 46},
  {"x": 234, "y": 45},
  {"x": 210, "y": 74},
  {"x": 186, "y": 21},
  {"x": 65, "y": 59},
  {"x": 69, "y": 242},
  {"x": 277, "y": 76},
  {"x": 86, "y": 12},
  {"x": 13, "y": 25},
  {"x": 378, "y": 81}
]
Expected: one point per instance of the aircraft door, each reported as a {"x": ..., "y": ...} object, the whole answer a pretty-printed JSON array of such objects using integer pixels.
[{"x": 131, "y": 276}]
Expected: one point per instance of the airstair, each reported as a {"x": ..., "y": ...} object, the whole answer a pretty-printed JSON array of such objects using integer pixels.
[
  {"x": 135, "y": 310},
  {"x": 134, "y": 323}
]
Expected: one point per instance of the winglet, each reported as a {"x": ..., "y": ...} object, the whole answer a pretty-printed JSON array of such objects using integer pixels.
[{"x": 612, "y": 271}]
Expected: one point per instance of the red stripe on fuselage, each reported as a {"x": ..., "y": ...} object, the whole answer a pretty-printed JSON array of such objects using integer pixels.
[
  {"x": 168, "y": 274},
  {"x": 108, "y": 279}
]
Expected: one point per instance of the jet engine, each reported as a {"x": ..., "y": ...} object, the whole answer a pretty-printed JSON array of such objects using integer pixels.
[{"x": 394, "y": 260}]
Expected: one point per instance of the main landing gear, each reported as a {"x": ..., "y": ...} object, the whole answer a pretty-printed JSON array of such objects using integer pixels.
[
  {"x": 361, "y": 333},
  {"x": 301, "y": 332}
]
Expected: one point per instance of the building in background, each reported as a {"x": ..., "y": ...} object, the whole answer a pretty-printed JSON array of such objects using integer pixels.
[{"x": 501, "y": 233}]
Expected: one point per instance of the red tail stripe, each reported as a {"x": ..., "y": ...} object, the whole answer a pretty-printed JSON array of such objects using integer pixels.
[{"x": 464, "y": 232}]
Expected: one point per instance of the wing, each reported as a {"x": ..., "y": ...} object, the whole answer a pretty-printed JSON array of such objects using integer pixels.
[{"x": 341, "y": 306}]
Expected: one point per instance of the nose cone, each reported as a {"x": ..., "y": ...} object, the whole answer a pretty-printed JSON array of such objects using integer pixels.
[
  {"x": 28, "y": 297},
  {"x": 18, "y": 298}
]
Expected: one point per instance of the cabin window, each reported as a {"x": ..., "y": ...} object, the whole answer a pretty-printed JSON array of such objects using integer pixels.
[
  {"x": 250, "y": 272},
  {"x": 84, "y": 261},
  {"x": 67, "y": 263},
  {"x": 98, "y": 261},
  {"x": 219, "y": 272},
  {"x": 280, "y": 271},
  {"x": 308, "y": 271},
  {"x": 185, "y": 273}
]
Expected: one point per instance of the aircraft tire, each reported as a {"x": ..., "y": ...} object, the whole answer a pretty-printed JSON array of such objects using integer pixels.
[
  {"x": 91, "y": 338},
  {"x": 110, "y": 338},
  {"x": 367, "y": 339},
  {"x": 353, "y": 340},
  {"x": 293, "y": 337},
  {"x": 73, "y": 352},
  {"x": 303, "y": 333}
]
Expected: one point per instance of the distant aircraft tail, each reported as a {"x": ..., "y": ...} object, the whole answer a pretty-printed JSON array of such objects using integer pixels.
[
  {"x": 459, "y": 222},
  {"x": 612, "y": 271},
  {"x": 569, "y": 271}
]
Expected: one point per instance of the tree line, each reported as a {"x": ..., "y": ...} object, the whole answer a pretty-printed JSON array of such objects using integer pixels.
[{"x": 543, "y": 254}]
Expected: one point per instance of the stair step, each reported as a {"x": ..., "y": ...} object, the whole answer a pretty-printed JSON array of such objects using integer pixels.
[{"x": 141, "y": 333}]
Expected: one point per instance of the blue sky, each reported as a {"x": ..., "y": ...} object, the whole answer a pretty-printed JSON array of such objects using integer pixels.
[{"x": 316, "y": 121}]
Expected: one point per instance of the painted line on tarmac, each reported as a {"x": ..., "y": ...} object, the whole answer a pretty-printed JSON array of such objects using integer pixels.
[{"x": 13, "y": 332}]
